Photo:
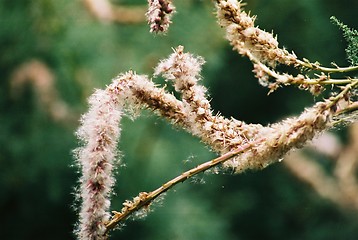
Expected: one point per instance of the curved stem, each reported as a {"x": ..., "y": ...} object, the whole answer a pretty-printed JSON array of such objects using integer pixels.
[{"x": 147, "y": 198}]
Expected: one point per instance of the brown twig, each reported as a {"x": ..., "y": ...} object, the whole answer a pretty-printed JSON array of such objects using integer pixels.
[{"x": 145, "y": 199}]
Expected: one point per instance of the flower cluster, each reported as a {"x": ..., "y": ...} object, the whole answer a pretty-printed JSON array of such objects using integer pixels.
[
  {"x": 247, "y": 39},
  {"x": 191, "y": 110},
  {"x": 100, "y": 130},
  {"x": 222, "y": 134},
  {"x": 265, "y": 75},
  {"x": 99, "y": 133},
  {"x": 286, "y": 135},
  {"x": 263, "y": 50},
  {"x": 159, "y": 15}
]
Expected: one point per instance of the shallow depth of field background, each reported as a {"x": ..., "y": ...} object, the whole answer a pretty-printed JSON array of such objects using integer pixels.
[{"x": 37, "y": 176}]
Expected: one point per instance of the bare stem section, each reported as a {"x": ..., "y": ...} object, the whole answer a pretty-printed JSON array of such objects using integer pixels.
[{"x": 143, "y": 200}]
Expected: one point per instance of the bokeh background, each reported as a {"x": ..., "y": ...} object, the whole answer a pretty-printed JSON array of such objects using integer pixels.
[{"x": 53, "y": 53}]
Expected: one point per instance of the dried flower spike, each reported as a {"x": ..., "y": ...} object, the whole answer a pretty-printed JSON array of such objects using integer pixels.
[
  {"x": 99, "y": 133},
  {"x": 246, "y": 38},
  {"x": 159, "y": 15},
  {"x": 258, "y": 146}
]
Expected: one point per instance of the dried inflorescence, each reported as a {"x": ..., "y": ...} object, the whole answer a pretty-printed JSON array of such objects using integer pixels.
[
  {"x": 246, "y": 38},
  {"x": 262, "y": 48},
  {"x": 99, "y": 133},
  {"x": 100, "y": 129},
  {"x": 129, "y": 92},
  {"x": 159, "y": 15},
  {"x": 289, "y": 134},
  {"x": 222, "y": 134},
  {"x": 265, "y": 75}
]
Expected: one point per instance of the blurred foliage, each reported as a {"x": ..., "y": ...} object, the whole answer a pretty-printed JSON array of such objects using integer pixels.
[{"x": 37, "y": 180}]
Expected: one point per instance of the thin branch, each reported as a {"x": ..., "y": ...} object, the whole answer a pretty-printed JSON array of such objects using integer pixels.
[
  {"x": 348, "y": 109},
  {"x": 285, "y": 78},
  {"x": 334, "y": 100},
  {"x": 328, "y": 82},
  {"x": 145, "y": 199},
  {"x": 314, "y": 66}
]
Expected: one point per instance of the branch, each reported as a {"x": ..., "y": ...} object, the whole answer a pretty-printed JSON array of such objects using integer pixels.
[
  {"x": 190, "y": 109},
  {"x": 315, "y": 66},
  {"x": 334, "y": 100},
  {"x": 262, "y": 48},
  {"x": 145, "y": 199},
  {"x": 100, "y": 130}
]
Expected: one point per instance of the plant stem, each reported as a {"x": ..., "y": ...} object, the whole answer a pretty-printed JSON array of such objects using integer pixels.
[
  {"x": 350, "y": 108},
  {"x": 328, "y": 82},
  {"x": 147, "y": 198},
  {"x": 347, "y": 88},
  {"x": 314, "y": 66}
]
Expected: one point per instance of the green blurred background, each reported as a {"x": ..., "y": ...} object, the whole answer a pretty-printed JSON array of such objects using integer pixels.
[{"x": 37, "y": 177}]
